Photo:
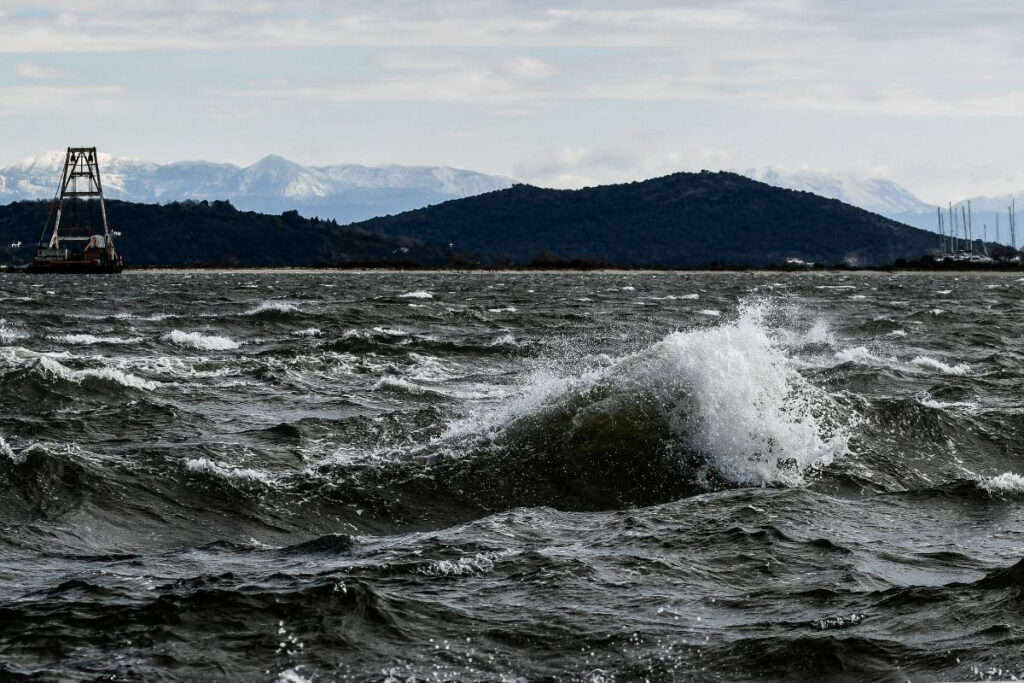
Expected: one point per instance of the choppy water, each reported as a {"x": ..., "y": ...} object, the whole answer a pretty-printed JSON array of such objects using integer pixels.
[{"x": 512, "y": 476}]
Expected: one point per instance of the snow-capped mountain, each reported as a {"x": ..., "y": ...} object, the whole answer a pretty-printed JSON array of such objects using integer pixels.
[
  {"x": 347, "y": 192},
  {"x": 988, "y": 217},
  {"x": 873, "y": 194}
]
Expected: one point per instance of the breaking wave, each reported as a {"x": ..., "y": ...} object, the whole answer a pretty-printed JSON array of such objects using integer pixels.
[
  {"x": 201, "y": 341},
  {"x": 50, "y": 368},
  {"x": 89, "y": 339},
  {"x": 721, "y": 405},
  {"x": 211, "y": 468},
  {"x": 1005, "y": 483},
  {"x": 418, "y": 294},
  {"x": 932, "y": 364}
]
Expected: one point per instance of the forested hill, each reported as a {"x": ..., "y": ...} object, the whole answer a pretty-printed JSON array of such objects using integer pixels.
[
  {"x": 215, "y": 233},
  {"x": 684, "y": 219}
]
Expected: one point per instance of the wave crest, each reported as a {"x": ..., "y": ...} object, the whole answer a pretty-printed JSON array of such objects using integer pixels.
[
  {"x": 723, "y": 404},
  {"x": 197, "y": 340}
]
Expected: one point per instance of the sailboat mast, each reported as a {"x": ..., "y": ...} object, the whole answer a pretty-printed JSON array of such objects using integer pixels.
[
  {"x": 970, "y": 227},
  {"x": 963, "y": 222},
  {"x": 1013, "y": 222}
]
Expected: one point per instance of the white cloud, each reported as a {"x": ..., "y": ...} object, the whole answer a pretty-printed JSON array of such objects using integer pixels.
[
  {"x": 38, "y": 97},
  {"x": 427, "y": 76},
  {"x": 569, "y": 167},
  {"x": 37, "y": 71}
]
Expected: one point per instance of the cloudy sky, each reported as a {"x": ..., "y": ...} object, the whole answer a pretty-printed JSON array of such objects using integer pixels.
[{"x": 929, "y": 93}]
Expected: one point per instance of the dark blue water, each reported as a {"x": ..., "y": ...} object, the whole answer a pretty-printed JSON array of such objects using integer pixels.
[{"x": 511, "y": 476}]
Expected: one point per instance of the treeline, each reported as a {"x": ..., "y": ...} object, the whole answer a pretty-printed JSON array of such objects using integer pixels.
[
  {"x": 684, "y": 219},
  {"x": 216, "y": 233}
]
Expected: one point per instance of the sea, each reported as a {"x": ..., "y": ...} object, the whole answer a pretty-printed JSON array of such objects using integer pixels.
[{"x": 512, "y": 476}]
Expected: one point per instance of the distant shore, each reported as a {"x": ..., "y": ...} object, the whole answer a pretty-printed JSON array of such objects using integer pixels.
[{"x": 1014, "y": 270}]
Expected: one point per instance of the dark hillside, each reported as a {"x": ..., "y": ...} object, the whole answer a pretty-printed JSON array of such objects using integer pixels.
[
  {"x": 197, "y": 233},
  {"x": 685, "y": 219}
]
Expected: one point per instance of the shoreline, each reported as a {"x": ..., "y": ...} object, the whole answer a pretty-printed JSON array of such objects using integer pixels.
[{"x": 308, "y": 270}]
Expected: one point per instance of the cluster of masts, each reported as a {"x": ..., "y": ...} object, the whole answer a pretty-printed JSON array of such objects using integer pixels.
[{"x": 957, "y": 240}]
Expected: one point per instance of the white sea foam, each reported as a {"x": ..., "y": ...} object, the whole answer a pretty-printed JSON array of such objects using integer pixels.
[
  {"x": 505, "y": 340},
  {"x": 506, "y": 309},
  {"x": 89, "y": 339},
  {"x": 9, "y": 334},
  {"x": 152, "y": 318},
  {"x": 674, "y": 297},
  {"x": 711, "y": 312},
  {"x": 897, "y": 333},
  {"x": 859, "y": 355},
  {"x": 7, "y": 451},
  {"x": 387, "y": 331},
  {"x": 418, "y": 294},
  {"x": 400, "y": 384},
  {"x": 273, "y": 307},
  {"x": 931, "y": 363},
  {"x": 1007, "y": 482},
  {"x": 308, "y": 332},
  {"x": 197, "y": 340},
  {"x": 727, "y": 393},
  {"x": 50, "y": 367},
  {"x": 926, "y": 400},
  {"x": 480, "y": 563},
  {"x": 207, "y": 466}
]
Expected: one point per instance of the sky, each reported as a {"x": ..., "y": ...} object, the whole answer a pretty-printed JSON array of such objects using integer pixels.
[{"x": 928, "y": 93}]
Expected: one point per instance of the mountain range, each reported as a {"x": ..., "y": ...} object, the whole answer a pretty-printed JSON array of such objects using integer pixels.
[
  {"x": 891, "y": 200},
  {"x": 351, "y": 192},
  {"x": 344, "y": 192},
  {"x": 680, "y": 220}
]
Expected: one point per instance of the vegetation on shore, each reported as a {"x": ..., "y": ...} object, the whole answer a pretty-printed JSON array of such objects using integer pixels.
[{"x": 682, "y": 221}]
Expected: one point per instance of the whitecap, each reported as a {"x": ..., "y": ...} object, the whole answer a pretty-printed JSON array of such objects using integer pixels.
[
  {"x": 197, "y": 340},
  {"x": 207, "y": 466},
  {"x": 506, "y": 309},
  {"x": 7, "y": 451},
  {"x": 859, "y": 355},
  {"x": 387, "y": 331},
  {"x": 272, "y": 307},
  {"x": 926, "y": 400},
  {"x": 728, "y": 394},
  {"x": 710, "y": 311},
  {"x": 505, "y": 340},
  {"x": 931, "y": 363},
  {"x": 418, "y": 294},
  {"x": 479, "y": 563},
  {"x": 1007, "y": 482},
  {"x": 89, "y": 339},
  {"x": 49, "y": 367},
  {"x": 308, "y": 332}
]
